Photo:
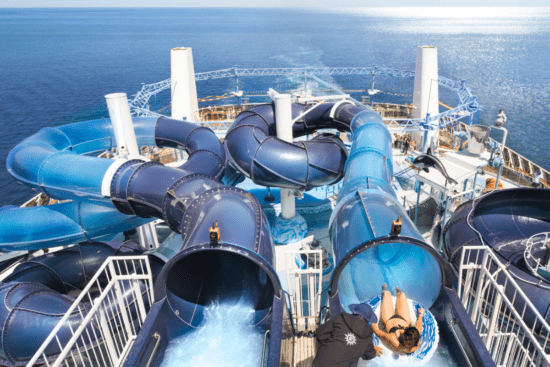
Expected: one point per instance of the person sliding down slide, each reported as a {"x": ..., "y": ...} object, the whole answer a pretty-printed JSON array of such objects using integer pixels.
[{"x": 401, "y": 336}]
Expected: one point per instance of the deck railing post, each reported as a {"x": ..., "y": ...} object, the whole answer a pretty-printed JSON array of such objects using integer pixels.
[
  {"x": 107, "y": 337},
  {"x": 121, "y": 301},
  {"x": 467, "y": 285},
  {"x": 480, "y": 284},
  {"x": 494, "y": 318}
]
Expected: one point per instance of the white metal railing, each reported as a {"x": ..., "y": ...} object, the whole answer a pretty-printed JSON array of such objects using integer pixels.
[
  {"x": 513, "y": 331},
  {"x": 101, "y": 325},
  {"x": 304, "y": 276}
]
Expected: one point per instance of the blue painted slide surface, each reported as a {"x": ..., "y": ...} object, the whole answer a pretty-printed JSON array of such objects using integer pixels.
[
  {"x": 366, "y": 255},
  {"x": 191, "y": 199}
]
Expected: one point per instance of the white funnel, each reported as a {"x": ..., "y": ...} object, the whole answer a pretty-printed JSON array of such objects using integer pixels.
[
  {"x": 426, "y": 89},
  {"x": 184, "y": 89},
  {"x": 119, "y": 113}
]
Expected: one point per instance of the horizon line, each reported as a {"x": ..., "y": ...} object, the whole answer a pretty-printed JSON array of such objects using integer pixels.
[{"x": 269, "y": 7}]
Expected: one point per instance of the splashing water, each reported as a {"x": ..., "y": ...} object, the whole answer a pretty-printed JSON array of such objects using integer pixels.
[{"x": 226, "y": 338}]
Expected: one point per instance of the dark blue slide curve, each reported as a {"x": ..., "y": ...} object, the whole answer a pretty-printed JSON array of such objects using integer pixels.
[
  {"x": 39, "y": 291},
  {"x": 255, "y": 151},
  {"x": 504, "y": 220}
]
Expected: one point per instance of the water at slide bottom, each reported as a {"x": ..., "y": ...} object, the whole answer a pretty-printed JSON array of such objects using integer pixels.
[
  {"x": 226, "y": 338},
  {"x": 441, "y": 358}
]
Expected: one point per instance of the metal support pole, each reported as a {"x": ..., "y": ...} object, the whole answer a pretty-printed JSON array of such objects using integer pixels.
[
  {"x": 428, "y": 136},
  {"x": 424, "y": 143},
  {"x": 119, "y": 113},
  {"x": 443, "y": 223},
  {"x": 504, "y": 137},
  {"x": 474, "y": 184},
  {"x": 498, "y": 176},
  {"x": 417, "y": 201},
  {"x": 283, "y": 119},
  {"x": 148, "y": 236}
]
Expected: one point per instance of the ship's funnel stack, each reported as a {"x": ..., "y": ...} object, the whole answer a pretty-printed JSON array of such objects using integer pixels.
[
  {"x": 368, "y": 249},
  {"x": 123, "y": 129},
  {"x": 184, "y": 88},
  {"x": 426, "y": 91}
]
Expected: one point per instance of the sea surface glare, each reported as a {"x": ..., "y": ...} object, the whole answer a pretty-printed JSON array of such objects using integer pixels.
[{"x": 226, "y": 338}]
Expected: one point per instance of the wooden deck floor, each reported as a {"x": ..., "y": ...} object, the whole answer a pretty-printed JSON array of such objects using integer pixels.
[{"x": 301, "y": 348}]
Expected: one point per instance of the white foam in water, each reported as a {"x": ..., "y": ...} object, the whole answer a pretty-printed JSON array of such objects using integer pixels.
[
  {"x": 441, "y": 358},
  {"x": 226, "y": 338}
]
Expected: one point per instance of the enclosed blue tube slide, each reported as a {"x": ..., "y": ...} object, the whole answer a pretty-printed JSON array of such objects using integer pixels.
[
  {"x": 203, "y": 272},
  {"x": 188, "y": 198},
  {"x": 255, "y": 151},
  {"x": 61, "y": 224},
  {"x": 58, "y": 162},
  {"x": 504, "y": 220},
  {"x": 366, "y": 253}
]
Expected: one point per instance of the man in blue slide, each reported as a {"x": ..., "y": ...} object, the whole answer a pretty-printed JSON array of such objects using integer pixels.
[{"x": 345, "y": 338}]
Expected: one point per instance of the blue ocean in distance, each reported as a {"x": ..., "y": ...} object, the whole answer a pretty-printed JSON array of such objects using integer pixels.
[{"x": 58, "y": 63}]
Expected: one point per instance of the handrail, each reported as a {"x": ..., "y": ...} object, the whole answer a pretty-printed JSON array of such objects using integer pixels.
[
  {"x": 151, "y": 357},
  {"x": 289, "y": 308},
  {"x": 267, "y": 332},
  {"x": 509, "y": 164}
]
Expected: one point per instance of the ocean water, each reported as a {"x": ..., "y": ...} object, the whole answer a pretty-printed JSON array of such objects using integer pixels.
[{"x": 59, "y": 63}]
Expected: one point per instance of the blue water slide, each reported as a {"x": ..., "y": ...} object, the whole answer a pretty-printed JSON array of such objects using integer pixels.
[
  {"x": 60, "y": 163},
  {"x": 255, "y": 151},
  {"x": 504, "y": 220},
  {"x": 39, "y": 291},
  {"x": 366, "y": 253},
  {"x": 189, "y": 198},
  {"x": 61, "y": 224},
  {"x": 203, "y": 272}
]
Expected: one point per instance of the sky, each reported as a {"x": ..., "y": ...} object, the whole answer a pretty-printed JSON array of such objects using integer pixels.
[{"x": 268, "y": 3}]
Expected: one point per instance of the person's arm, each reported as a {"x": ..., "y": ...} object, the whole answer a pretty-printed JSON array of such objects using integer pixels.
[
  {"x": 370, "y": 352},
  {"x": 324, "y": 331},
  {"x": 391, "y": 339}
]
